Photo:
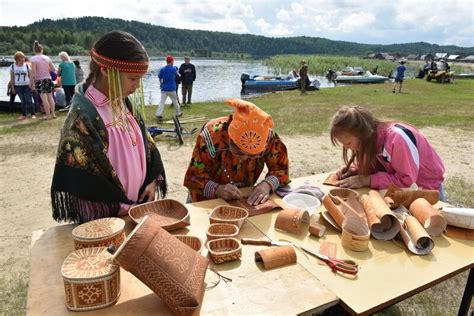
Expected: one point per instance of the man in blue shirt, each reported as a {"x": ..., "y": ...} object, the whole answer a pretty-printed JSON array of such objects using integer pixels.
[
  {"x": 167, "y": 76},
  {"x": 399, "y": 77}
]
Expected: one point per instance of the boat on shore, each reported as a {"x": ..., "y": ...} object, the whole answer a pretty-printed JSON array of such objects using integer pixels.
[
  {"x": 5, "y": 62},
  {"x": 365, "y": 78},
  {"x": 5, "y": 106},
  {"x": 261, "y": 84},
  {"x": 464, "y": 76}
]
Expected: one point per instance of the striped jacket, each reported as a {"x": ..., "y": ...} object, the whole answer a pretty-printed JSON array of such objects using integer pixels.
[{"x": 405, "y": 157}]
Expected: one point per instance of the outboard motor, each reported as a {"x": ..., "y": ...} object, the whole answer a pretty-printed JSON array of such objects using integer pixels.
[{"x": 244, "y": 77}]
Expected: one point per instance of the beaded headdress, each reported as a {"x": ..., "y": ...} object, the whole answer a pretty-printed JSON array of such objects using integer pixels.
[{"x": 114, "y": 68}]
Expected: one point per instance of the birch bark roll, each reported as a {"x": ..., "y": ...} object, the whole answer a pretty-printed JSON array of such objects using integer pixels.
[
  {"x": 415, "y": 236},
  {"x": 431, "y": 218},
  {"x": 382, "y": 222},
  {"x": 459, "y": 217},
  {"x": 406, "y": 197}
]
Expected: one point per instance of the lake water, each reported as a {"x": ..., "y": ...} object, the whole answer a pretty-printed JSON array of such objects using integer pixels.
[{"x": 216, "y": 79}]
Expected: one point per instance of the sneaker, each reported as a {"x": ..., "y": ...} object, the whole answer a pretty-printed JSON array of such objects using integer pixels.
[
  {"x": 159, "y": 119},
  {"x": 393, "y": 91},
  {"x": 33, "y": 117},
  {"x": 22, "y": 117}
]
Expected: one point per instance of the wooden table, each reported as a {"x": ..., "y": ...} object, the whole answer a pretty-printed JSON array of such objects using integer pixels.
[
  {"x": 287, "y": 290},
  {"x": 388, "y": 272}
]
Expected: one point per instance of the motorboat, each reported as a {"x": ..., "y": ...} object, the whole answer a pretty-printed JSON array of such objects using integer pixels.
[
  {"x": 5, "y": 62},
  {"x": 368, "y": 77},
  {"x": 259, "y": 83},
  {"x": 351, "y": 71},
  {"x": 464, "y": 76}
]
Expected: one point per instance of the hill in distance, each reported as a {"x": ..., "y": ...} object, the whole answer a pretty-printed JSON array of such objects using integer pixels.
[{"x": 77, "y": 36}]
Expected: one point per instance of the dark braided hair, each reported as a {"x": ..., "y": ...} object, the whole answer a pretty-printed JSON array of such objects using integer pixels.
[{"x": 116, "y": 45}]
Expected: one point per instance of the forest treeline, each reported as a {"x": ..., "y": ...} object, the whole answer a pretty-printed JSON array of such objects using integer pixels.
[{"x": 77, "y": 35}]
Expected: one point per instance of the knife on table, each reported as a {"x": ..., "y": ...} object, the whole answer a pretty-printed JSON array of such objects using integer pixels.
[{"x": 261, "y": 242}]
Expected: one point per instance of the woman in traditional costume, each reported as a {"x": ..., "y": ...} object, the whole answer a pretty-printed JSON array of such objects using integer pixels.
[
  {"x": 231, "y": 152},
  {"x": 106, "y": 160},
  {"x": 384, "y": 152}
]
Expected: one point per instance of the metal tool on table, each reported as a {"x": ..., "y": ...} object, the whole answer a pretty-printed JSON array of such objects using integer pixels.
[
  {"x": 261, "y": 242},
  {"x": 344, "y": 266}
]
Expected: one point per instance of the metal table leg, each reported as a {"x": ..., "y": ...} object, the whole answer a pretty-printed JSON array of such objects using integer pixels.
[{"x": 468, "y": 293}]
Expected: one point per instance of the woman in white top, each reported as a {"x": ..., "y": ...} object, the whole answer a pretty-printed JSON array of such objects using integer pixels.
[
  {"x": 42, "y": 66},
  {"x": 20, "y": 74}
]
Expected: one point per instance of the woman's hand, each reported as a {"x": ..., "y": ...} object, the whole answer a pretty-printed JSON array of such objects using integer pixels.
[
  {"x": 350, "y": 172},
  {"x": 354, "y": 182},
  {"x": 148, "y": 194},
  {"x": 260, "y": 194},
  {"x": 228, "y": 192}
]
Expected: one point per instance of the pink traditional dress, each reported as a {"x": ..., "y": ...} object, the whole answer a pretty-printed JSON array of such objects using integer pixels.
[{"x": 126, "y": 150}]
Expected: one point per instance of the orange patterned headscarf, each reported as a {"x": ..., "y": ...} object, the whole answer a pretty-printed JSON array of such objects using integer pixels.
[{"x": 250, "y": 126}]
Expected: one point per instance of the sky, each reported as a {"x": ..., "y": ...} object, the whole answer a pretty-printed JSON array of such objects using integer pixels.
[{"x": 443, "y": 22}]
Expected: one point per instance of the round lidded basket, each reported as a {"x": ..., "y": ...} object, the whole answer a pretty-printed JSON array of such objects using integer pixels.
[
  {"x": 194, "y": 242},
  {"x": 221, "y": 230},
  {"x": 101, "y": 232},
  {"x": 224, "y": 249},
  {"x": 171, "y": 214},
  {"x": 228, "y": 215},
  {"x": 91, "y": 279}
]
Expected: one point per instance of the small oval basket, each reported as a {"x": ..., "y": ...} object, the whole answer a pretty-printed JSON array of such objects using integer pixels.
[
  {"x": 228, "y": 215},
  {"x": 101, "y": 232},
  {"x": 224, "y": 249},
  {"x": 171, "y": 214},
  {"x": 194, "y": 242},
  {"x": 220, "y": 230}
]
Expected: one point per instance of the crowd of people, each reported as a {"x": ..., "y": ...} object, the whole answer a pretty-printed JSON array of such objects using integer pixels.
[
  {"x": 108, "y": 162},
  {"x": 40, "y": 85}
]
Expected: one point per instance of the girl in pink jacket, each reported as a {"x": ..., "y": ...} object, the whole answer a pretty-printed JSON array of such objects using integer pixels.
[{"x": 380, "y": 153}]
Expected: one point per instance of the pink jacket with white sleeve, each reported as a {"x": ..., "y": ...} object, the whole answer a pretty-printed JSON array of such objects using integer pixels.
[{"x": 405, "y": 157}]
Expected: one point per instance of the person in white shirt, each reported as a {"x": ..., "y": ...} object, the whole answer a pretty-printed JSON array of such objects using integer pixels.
[{"x": 22, "y": 84}]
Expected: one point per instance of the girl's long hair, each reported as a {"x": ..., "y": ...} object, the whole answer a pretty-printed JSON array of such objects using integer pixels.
[
  {"x": 359, "y": 122},
  {"x": 116, "y": 45}
]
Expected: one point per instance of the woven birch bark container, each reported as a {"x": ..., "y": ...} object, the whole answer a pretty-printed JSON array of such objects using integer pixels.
[
  {"x": 91, "y": 279},
  {"x": 99, "y": 233},
  {"x": 220, "y": 230}
]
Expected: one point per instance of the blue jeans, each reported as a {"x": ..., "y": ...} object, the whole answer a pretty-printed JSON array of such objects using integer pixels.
[
  {"x": 442, "y": 193},
  {"x": 24, "y": 92}
]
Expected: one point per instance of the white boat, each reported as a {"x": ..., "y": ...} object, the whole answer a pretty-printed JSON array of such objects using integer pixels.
[{"x": 366, "y": 78}]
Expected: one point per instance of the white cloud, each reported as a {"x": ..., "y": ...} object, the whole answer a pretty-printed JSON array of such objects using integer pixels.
[
  {"x": 278, "y": 29},
  {"x": 356, "y": 22},
  {"x": 283, "y": 15}
]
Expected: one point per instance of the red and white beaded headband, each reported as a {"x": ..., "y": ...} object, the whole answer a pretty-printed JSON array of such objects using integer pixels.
[{"x": 139, "y": 67}]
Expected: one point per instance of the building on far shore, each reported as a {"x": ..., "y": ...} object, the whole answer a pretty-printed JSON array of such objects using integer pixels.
[
  {"x": 427, "y": 57},
  {"x": 467, "y": 59}
]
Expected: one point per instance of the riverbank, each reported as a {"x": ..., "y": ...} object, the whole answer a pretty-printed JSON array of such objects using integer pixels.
[{"x": 445, "y": 114}]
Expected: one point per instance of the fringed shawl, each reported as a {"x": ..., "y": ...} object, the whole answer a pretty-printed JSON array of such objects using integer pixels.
[{"x": 85, "y": 186}]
